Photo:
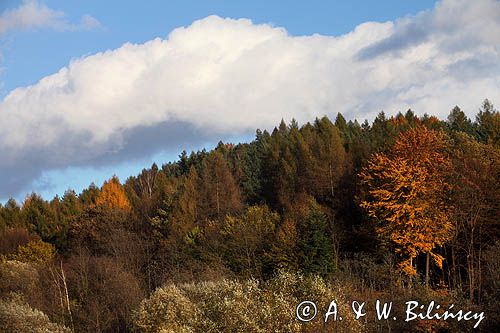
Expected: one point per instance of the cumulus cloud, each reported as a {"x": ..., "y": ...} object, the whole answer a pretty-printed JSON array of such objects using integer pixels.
[
  {"x": 223, "y": 77},
  {"x": 33, "y": 14}
]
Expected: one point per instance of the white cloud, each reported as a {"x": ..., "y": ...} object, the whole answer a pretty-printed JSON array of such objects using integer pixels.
[
  {"x": 221, "y": 77},
  {"x": 88, "y": 22},
  {"x": 33, "y": 14}
]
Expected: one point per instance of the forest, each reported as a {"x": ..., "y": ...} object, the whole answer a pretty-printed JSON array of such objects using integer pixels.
[{"x": 233, "y": 239}]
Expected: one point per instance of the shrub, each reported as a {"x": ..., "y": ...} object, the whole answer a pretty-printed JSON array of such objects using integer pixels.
[
  {"x": 36, "y": 251},
  {"x": 18, "y": 317},
  {"x": 248, "y": 306},
  {"x": 19, "y": 277}
]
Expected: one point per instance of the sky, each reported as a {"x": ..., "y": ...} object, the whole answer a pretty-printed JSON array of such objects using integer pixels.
[{"x": 89, "y": 88}]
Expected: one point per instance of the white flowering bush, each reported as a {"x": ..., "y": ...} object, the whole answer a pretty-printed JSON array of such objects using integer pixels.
[
  {"x": 16, "y": 276},
  {"x": 248, "y": 306},
  {"x": 167, "y": 310},
  {"x": 17, "y": 316},
  {"x": 295, "y": 288}
]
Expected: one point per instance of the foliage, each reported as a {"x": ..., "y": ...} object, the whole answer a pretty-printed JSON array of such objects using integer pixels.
[
  {"x": 351, "y": 205},
  {"x": 405, "y": 195},
  {"x": 112, "y": 195},
  {"x": 19, "y": 277},
  {"x": 248, "y": 306},
  {"x": 18, "y": 317},
  {"x": 248, "y": 238},
  {"x": 36, "y": 251},
  {"x": 314, "y": 246}
]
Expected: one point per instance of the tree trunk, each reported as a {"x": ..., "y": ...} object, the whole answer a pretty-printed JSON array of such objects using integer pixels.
[
  {"x": 217, "y": 198},
  {"x": 67, "y": 297},
  {"x": 427, "y": 269}
]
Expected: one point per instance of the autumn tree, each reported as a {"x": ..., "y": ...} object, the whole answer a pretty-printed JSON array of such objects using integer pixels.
[
  {"x": 143, "y": 191},
  {"x": 105, "y": 293},
  {"x": 12, "y": 238},
  {"x": 404, "y": 192},
  {"x": 219, "y": 192},
  {"x": 113, "y": 195},
  {"x": 283, "y": 252},
  {"x": 111, "y": 214},
  {"x": 179, "y": 215},
  {"x": 307, "y": 160},
  {"x": 475, "y": 209},
  {"x": 248, "y": 239},
  {"x": 329, "y": 158}
]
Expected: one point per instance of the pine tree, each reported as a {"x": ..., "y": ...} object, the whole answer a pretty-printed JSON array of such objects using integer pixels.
[
  {"x": 89, "y": 196},
  {"x": 40, "y": 217},
  {"x": 488, "y": 124},
  {"x": 314, "y": 245},
  {"x": 10, "y": 214},
  {"x": 458, "y": 121}
]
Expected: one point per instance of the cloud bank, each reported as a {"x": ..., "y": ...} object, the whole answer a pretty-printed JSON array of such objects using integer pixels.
[
  {"x": 33, "y": 14},
  {"x": 223, "y": 77}
]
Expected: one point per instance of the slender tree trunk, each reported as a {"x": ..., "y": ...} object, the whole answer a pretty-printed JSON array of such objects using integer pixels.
[
  {"x": 58, "y": 285},
  {"x": 479, "y": 268},
  {"x": 67, "y": 297},
  {"x": 411, "y": 264},
  {"x": 331, "y": 180},
  {"x": 453, "y": 280},
  {"x": 217, "y": 198},
  {"x": 427, "y": 269},
  {"x": 472, "y": 268}
]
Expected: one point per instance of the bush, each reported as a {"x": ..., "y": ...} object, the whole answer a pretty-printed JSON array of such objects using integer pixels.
[
  {"x": 248, "y": 306},
  {"x": 19, "y": 277},
  {"x": 36, "y": 251},
  {"x": 18, "y": 317}
]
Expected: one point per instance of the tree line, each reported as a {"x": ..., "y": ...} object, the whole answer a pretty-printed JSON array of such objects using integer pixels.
[{"x": 403, "y": 203}]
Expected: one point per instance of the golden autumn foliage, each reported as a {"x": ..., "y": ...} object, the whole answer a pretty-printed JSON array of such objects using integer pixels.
[
  {"x": 113, "y": 195},
  {"x": 36, "y": 251},
  {"x": 404, "y": 193}
]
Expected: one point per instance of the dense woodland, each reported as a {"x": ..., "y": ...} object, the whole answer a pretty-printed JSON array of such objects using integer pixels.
[{"x": 232, "y": 239}]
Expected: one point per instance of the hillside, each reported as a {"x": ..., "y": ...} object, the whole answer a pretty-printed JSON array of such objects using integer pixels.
[{"x": 233, "y": 239}]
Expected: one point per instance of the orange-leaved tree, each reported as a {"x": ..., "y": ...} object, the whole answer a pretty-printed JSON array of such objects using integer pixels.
[
  {"x": 113, "y": 195},
  {"x": 404, "y": 191}
]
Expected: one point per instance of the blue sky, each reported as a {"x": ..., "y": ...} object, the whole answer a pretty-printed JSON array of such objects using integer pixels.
[
  {"x": 32, "y": 54},
  {"x": 69, "y": 33}
]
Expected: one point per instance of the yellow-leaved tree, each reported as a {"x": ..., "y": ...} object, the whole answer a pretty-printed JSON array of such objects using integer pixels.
[
  {"x": 404, "y": 191},
  {"x": 113, "y": 195}
]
